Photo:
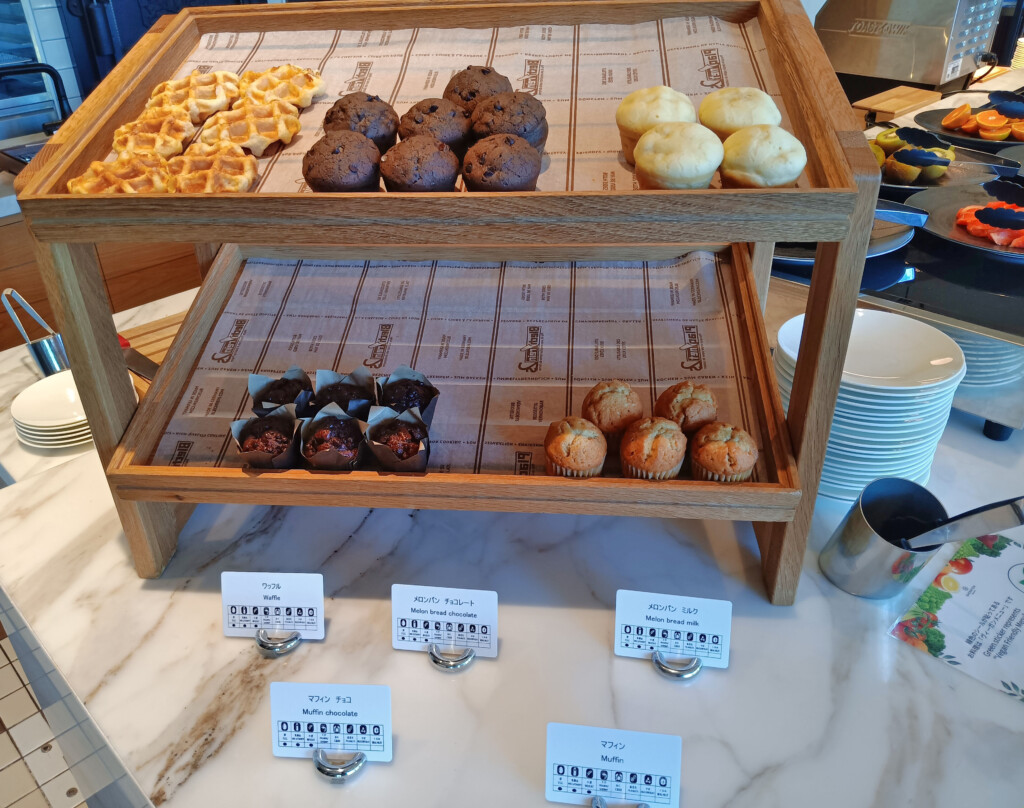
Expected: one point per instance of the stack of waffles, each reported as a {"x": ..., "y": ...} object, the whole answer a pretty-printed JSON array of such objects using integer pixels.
[{"x": 233, "y": 115}]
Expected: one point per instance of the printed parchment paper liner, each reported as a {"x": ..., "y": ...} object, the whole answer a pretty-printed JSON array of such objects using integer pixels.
[
  {"x": 289, "y": 425},
  {"x": 258, "y": 383},
  {"x": 331, "y": 459},
  {"x": 426, "y": 413},
  {"x": 360, "y": 377},
  {"x": 388, "y": 460}
]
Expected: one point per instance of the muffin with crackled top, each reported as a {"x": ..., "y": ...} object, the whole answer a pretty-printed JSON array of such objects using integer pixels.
[
  {"x": 612, "y": 406},
  {"x": 689, "y": 404},
  {"x": 653, "y": 449},
  {"x": 574, "y": 447},
  {"x": 724, "y": 453}
]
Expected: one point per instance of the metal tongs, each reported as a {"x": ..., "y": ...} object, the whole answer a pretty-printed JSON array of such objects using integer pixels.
[
  {"x": 981, "y": 521},
  {"x": 48, "y": 352},
  {"x": 898, "y": 213}
]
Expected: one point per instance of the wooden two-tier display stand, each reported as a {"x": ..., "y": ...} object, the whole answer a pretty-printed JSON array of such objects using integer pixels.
[{"x": 836, "y": 211}]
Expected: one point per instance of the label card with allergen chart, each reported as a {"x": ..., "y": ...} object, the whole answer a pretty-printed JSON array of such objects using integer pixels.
[
  {"x": 335, "y": 718},
  {"x": 275, "y": 601},
  {"x": 676, "y": 625},
  {"x": 451, "y": 618},
  {"x": 617, "y": 764}
]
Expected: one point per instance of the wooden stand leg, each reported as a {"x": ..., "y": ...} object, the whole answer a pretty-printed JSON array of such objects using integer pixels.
[
  {"x": 205, "y": 253},
  {"x": 74, "y": 285},
  {"x": 761, "y": 266},
  {"x": 831, "y": 302}
]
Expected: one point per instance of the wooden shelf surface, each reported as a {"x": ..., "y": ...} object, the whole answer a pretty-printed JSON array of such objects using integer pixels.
[{"x": 775, "y": 499}]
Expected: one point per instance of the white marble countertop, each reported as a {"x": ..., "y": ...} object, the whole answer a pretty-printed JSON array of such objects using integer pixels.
[{"x": 819, "y": 706}]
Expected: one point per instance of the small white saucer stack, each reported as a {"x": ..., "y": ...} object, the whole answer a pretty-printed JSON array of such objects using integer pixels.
[
  {"x": 49, "y": 414},
  {"x": 894, "y": 399}
]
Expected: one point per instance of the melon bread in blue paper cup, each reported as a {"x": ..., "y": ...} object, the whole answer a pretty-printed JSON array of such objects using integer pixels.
[
  {"x": 333, "y": 440},
  {"x": 354, "y": 392},
  {"x": 268, "y": 441},
  {"x": 408, "y": 389},
  {"x": 292, "y": 387},
  {"x": 399, "y": 441}
]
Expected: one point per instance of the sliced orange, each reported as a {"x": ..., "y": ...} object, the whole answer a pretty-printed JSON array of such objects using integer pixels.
[
  {"x": 1017, "y": 130},
  {"x": 971, "y": 126},
  {"x": 991, "y": 119},
  {"x": 957, "y": 117},
  {"x": 1001, "y": 133}
]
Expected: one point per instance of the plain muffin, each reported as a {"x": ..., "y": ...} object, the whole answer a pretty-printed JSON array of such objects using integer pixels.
[
  {"x": 730, "y": 109},
  {"x": 644, "y": 109},
  {"x": 762, "y": 156},
  {"x": 653, "y": 449},
  {"x": 688, "y": 404},
  {"x": 574, "y": 447},
  {"x": 677, "y": 156},
  {"x": 612, "y": 406},
  {"x": 724, "y": 453}
]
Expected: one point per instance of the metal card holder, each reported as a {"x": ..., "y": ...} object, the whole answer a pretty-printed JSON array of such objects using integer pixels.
[
  {"x": 274, "y": 647},
  {"x": 454, "y": 662},
  {"x": 689, "y": 668},
  {"x": 340, "y": 773},
  {"x": 599, "y": 802}
]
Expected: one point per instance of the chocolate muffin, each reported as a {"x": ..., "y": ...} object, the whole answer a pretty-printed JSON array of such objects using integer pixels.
[
  {"x": 440, "y": 118},
  {"x": 342, "y": 161},
  {"x": 283, "y": 391},
  {"x": 367, "y": 114},
  {"x": 265, "y": 435},
  {"x": 404, "y": 394},
  {"x": 512, "y": 113},
  {"x": 339, "y": 434},
  {"x": 401, "y": 438},
  {"x": 501, "y": 163},
  {"x": 421, "y": 163},
  {"x": 341, "y": 393},
  {"x": 469, "y": 87}
]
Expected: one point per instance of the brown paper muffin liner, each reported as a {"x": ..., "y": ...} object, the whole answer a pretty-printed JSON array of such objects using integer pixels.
[
  {"x": 639, "y": 474},
  {"x": 560, "y": 471},
  {"x": 701, "y": 473}
]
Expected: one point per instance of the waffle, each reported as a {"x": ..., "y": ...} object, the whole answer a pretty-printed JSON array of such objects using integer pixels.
[
  {"x": 201, "y": 94},
  {"x": 289, "y": 83},
  {"x": 158, "y": 130},
  {"x": 212, "y": 168},
  {"x": 253, "y": 126},
  {"x": 128, "y": 174}
]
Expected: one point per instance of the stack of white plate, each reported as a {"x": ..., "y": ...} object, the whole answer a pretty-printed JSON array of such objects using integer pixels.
[
  {"x": 990, "y": 362},
  {"x": 49, "y": 414},
  {"x": 894, "y": 399}
]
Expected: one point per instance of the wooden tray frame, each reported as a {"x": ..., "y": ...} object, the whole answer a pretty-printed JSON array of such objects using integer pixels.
[
  {"x": 132, "y": 477},
  {"x": 649, "y": 225}
]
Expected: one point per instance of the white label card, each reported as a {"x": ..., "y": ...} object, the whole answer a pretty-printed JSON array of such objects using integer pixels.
[
  {"x": 584, "y": 762},
  {"x": 275, "y": 601},
  {"x": 336, "y": 718},
  {"x": 452, "y": 618},
  {"x": 677, "y": 626}
]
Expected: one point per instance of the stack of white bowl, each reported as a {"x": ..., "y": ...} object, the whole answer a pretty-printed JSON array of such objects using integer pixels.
[
  {"x": 990, "y": 362},
  {"x": 894, "y": 399},
  {"x": 49, "y": 414}
]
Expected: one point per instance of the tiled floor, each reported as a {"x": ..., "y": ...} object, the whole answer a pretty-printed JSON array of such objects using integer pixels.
[{"x": 33, "y": 772}]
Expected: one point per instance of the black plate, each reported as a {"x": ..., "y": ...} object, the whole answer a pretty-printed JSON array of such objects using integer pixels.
[
  {"x": 1014, "y": 153},
  {"x": 943, "y": 204},
  {"x": 931, "y": 119}
]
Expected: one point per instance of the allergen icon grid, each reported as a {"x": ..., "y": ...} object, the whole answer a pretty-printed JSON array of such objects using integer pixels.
[
  {"x": 655, "y": 789},
  {"x": 445, "y": 632},
  {"x": 330, "y": 735},
  {"x": 671, "y": 642},
  {"x": 290, "y": 618}
]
